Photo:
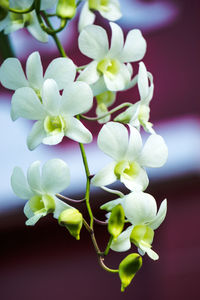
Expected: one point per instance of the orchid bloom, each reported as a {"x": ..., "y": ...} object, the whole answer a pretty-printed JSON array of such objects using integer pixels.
[
  {"x": 141, "y": 211},
  {"x": 12, "y": 21},
  {"x": 12, "y": 77},
  {"x": 138, "y": 113},
  {"x": 55, "y": 114},
  {"x": 108, "y": 68},
  {"x": 129, "y": 156},
  {"x": 40, "y": 188},
  {"x": 109, "y": 9}
]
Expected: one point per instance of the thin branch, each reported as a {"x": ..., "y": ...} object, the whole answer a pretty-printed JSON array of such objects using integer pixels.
[{"x": 70, "y": 199}]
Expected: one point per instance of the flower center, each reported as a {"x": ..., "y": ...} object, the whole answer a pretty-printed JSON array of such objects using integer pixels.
[
  {"x": 100, "y": 5},
  {"x": 54, "y": 125},
  {"x": 129, "y": 170},
  {"x": 42, "y": 203},
  {"x": 108, "y": 67},
  {"x": 142, "y": 234}
]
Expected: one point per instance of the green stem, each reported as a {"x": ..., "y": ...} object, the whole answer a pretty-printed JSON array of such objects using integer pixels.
[
  {"x": 54, "y": 36},
  {"x": 22, "y": 11},
  {"x": 105, "y": 267},
  {"x": 108, "y": 113},
  {"x": 108, "y": 245}
]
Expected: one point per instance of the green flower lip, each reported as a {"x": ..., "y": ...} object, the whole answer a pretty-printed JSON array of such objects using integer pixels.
[{"x": 54, "y": 125}]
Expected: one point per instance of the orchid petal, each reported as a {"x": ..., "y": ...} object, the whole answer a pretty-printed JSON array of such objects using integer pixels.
[
  {"x": 36, "y": 135},
  {"x": 20, "y": 185},
  {"x": 86, "y": 17},
  {"x": 122, "y": 243},
  {"x": 34, "y": 177},
  {"x": 90, "y": 74},
  {"x": 51, "y": 97},
  {"x": 159, "y": 218},
  {"x": 117, "y": 40},
  {"x": 77, "y": 131},
  {"x": 34, "y": 70},
  {"x": 105, "y": 176}
]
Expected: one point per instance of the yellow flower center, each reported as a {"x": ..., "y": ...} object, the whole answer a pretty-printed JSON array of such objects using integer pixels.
[
  {"x": 54, "y": 125},
  {"x": 42, "y": 203},
  {"x": 129, "y": 170},
  {"x": 142, "y": 234},
  {"x": 109, "y": 67}
]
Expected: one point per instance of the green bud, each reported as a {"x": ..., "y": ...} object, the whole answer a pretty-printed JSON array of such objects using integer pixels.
[
  {"x": 66, "y": 9},
  {"x": 3, "y": 9},
  {"x": 116, "y": 221},
  {"x": 72, "y": 219},
  {"x": 128, "y": 268}
]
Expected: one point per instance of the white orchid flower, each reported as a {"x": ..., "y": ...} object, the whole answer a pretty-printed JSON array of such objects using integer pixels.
[
  {"x": 138, "y": 114},
  {"x": 55, "y": 115},
  {"x": 141, "y": 211},
  {"x": 39, "y": 188},
  {"x": 109, "y": 9},
  {"x": 108, "y": 67},
  {"x": 13, "y": 21},
  {"x": 129, "y": 156},
  {"x": 12, "y": 76}
]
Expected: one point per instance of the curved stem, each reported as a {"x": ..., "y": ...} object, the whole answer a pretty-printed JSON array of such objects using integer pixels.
[
  {"x": 116, "y": 192},
  {"x": 108, "y": 113},
  {"x": 22, "y": 11},
  {"x": 100, "y": 222},
  {"x": 69, "y": 199},
  {"x": 101, "y": 259}
]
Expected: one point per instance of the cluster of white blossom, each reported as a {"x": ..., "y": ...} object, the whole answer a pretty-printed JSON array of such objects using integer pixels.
[{"x": 57, "y": 99}]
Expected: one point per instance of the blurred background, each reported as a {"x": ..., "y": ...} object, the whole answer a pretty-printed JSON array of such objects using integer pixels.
[{"x": 45, "y": 262}]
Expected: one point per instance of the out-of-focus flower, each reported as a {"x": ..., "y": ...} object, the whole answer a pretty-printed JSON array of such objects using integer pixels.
[{"x": 109, "y": 9}]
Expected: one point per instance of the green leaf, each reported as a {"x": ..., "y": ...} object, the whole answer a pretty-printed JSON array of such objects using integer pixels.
[{"x": 128, "y": 268}]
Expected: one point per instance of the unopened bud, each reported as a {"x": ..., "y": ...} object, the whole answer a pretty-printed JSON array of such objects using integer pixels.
[
  {"x": 66, "y": 9},
  {"x": 3, "y": 9},
  {"x": 116, "y": 221},
  {"x": 72, "y": 219},
  {"x": 128, "y": 268}
]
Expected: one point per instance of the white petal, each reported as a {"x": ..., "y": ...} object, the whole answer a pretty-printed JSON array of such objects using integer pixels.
[
  {"x": 12, "y": 75},
  {"x": 92, "y": 46},
  {"x": 117, "y": 40},
  {"x": 20, "y": 185},
  {"x": 26, "y": 104},
  {"x": 36, "y": 135},
  {"x": 118, "y": 81},
  {"x": 33, "y": 220},
  {"x": 27, "y": 210},
  {"x": 51, "y": 97},
  {"x": 134, "y": 145},
  {"x": 129, "y": 114},
  {"x": 5, "y": 22},
  {"x": 122, "y": 243},
  {"x": 35, "y": 29},
  {"x": 34, "y": 178},
  {"x": 134, "y": 48},
  {"x": 152, "y": 254},
  {"x": 55, "y": 176},
  {"x": 113, "y": 140},
  {"x": 53, "y": 139},
  {"x": 99, "y": 86},
  {"x": 62, "y": 70},
  {"x": 138, "y": 183},
  {"x": 60, "y": 206},
  {"x": 90, "y": 74},
  {"x": 154, "y": 153},
  {"x": 113, "y": 13},
  {"x": 34, "y": 70},
  {"x": 111, "y": 204},
  {"x": 105, "y": 176},
  {"x": 77, "y": 131},
  {"x": 77, "y": 98},
  {"x": 159, "y": 218},
  {"x": 143, "y": 83},
  {"x": 139, "y": 207},
  {"x": 86, "y": 17}
]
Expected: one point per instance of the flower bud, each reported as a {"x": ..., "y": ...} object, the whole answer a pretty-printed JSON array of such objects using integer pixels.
[
  {"x": 72, "y": 219},
  {"x": 3, "y": 9},
  {"x": 128, "y": 268},
  {"x": 66, "y": 9},
  {"x": 116, "y": 221}
]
